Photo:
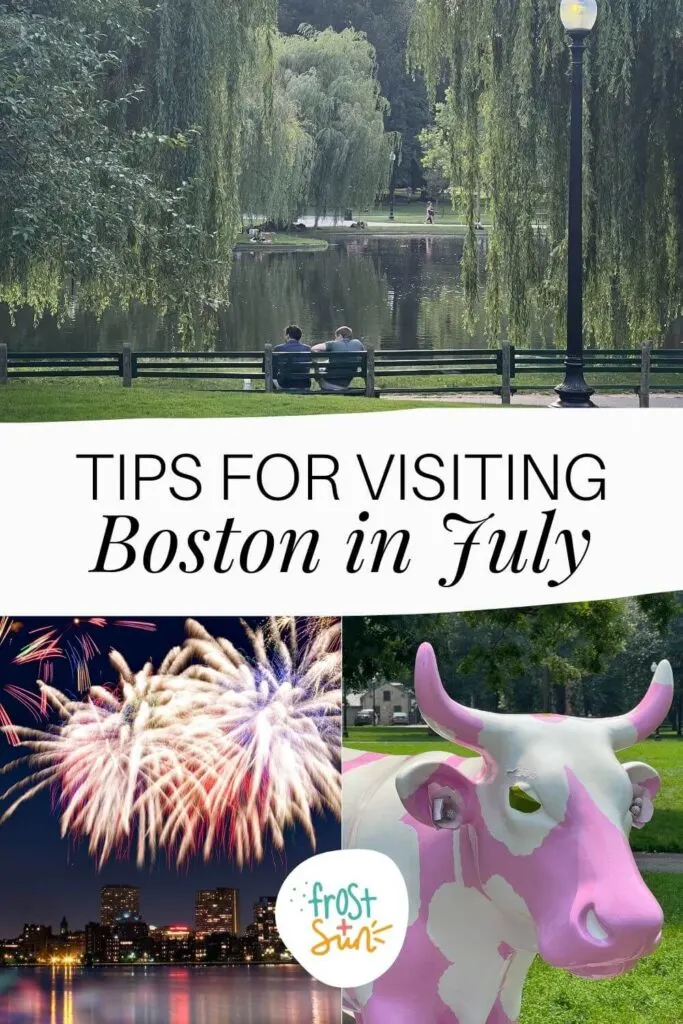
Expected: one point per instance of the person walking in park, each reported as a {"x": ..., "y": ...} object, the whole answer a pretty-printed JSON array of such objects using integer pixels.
[
  {"x": 292, "y": 362},
  {"x": 431, "y": 212},
  {"x": 344, "y": 361}
]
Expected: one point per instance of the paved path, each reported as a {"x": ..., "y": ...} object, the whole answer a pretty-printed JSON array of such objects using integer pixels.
[
  {"x": 666, "y": 401},
  {"x": 666, "y": 863}
]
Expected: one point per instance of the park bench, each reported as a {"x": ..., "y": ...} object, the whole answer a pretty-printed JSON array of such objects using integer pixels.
[{"x": 320, "y": 368}]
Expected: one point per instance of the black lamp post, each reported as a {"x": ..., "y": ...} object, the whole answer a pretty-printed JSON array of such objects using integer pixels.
[
  {"x": 578, "y": 18},
  {"x": 392, "y": 186}
]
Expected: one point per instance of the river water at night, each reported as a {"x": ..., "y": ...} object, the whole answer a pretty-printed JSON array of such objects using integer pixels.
[{"x": 168, "y": 995}]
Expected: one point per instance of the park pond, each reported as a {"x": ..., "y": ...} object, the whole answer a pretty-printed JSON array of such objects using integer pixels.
[
  {"x": 395, "y": 291},
  {"x": 168, "y": 995}
]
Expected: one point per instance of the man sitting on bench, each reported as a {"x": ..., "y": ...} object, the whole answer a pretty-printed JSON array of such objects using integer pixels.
[
  {"x": 291, "y": 370},
  {"x": 344, "y": 362}
]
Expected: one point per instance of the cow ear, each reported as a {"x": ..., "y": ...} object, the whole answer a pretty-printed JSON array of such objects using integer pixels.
[
  {"x": 646, "y": 784},
  {"x": 436, "y": 795},
  {"x": 643, "y": 776}
]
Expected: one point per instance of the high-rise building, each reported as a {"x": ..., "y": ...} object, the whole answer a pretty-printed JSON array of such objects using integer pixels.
[
  {"x": 217, "y": 910},
  {"x": 96, "y": 939},
  {"x": 116, "y": 900},
  {"x": 265, "y": 929}
]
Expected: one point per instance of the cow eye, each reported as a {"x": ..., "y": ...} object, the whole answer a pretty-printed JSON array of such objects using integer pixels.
[{"x": 522, "y": 801}]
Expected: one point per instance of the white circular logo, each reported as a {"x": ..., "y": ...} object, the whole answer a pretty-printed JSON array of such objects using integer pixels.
[{"x": 344, "y": 916}]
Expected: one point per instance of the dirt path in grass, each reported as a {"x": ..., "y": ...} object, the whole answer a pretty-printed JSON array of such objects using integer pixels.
[{"x": 667, "y": 863}]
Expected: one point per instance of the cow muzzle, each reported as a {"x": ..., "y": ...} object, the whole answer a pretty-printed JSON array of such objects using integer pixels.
[{"x": 610, "y": 938}]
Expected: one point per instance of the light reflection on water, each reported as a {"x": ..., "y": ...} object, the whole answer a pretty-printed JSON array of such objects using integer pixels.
[{"x": 169, "y": 995}]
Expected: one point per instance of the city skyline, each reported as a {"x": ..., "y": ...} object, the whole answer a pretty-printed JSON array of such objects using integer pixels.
[
  {"x": 108, "y": 913},
  {"x": 47, "y": 877}
]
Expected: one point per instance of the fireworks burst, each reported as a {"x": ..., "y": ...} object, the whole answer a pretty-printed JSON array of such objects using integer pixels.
[
  {"x": 211, "y": 750},
  {"x": 31, "y": 701},
  {"x": 73, "y": 639}
]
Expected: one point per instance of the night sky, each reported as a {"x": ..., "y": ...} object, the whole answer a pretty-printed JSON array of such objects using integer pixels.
[{"x": 44, "y": 877}]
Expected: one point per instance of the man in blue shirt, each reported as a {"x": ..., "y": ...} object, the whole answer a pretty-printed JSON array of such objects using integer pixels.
[
  {"x": 344, "y": 361},
  {"x": 292, "y": 372}
]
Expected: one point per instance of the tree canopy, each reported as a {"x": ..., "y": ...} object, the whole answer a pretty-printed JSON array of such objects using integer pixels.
[
  {"x": 386, "y": 24},
  {"x": 330, "y": 79},
  {"x": 506, "y": 117},
  {"x": 119, "y": 161},
  {"x": 588, "y": 658}
]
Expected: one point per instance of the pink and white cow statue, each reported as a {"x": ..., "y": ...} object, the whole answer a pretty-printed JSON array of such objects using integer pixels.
[{"x": 519, "y": 851}]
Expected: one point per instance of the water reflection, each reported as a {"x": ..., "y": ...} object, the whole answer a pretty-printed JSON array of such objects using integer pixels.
[
  {"x": 179, "y": 995},
  {"x": 400, "y": 292}
]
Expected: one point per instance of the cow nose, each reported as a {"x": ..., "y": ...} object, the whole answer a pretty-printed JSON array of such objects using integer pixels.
[
  {"x": 639, "y": 926},
  {"x": 592, "y": 924}
]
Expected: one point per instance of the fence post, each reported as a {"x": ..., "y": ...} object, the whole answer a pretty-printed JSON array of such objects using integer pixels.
[
  {"x": 127, "y": 364},
  {"x": 370, "y": 373},
  {"x": 268, "y": 368},
  {"x": 645, "y": 365},
  {"x": 506, "y": 370},
  {"x": 4, "y": 360}
]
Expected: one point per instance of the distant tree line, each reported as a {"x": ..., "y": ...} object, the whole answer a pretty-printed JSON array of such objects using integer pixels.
[{"x": 592, "y": 658}]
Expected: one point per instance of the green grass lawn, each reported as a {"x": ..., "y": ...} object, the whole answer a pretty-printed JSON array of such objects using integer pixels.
[
  {"x": 664, "y": 834},
  {"x": 104, "y": 398},
  {"x": 650, "y": 994}
]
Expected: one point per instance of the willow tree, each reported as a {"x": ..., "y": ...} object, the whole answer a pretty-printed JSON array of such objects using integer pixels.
[
  {"x": 277, "y": 155},
  {"x": 120, "y": 148},
  {"x": 200, "y": 76},
  {"x": 506, "y": 65},
  {"x": 331, "y": 78}
]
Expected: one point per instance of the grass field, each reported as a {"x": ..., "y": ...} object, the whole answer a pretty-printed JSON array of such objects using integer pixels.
[
  {"x": 650, "y": 994},
  {"x": 102, "y": 398},
  {"x": 664, "y": 834},
  {"x": 89, "y": 398}
]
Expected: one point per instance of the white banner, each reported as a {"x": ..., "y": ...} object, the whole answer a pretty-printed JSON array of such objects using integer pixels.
[{"x": 397, "y": 512}]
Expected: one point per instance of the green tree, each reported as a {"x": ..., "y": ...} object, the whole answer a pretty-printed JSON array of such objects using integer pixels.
[
  {"x": 277, "y": 157},
  {"x": 507, "y": 68},
  {"x": 330, "y": 78},
  {"x": 119, "y": 149},
  {"x": 386, "y": 24}
]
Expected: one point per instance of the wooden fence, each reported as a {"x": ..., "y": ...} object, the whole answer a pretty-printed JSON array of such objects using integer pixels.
[{"x": 504, "y": 371}]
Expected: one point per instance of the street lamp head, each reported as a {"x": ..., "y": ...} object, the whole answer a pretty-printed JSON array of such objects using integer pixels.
[{"x": 578, "y": 16}]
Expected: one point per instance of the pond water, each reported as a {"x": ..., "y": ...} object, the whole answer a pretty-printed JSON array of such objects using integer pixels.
[
  {"x": 395, "y": 292},
  {"x": 169, "y": 995}
]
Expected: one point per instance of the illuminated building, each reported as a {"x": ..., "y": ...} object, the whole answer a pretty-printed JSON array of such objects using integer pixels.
[
  {"x": 172, "y": 944},
  {"x": 216, "y": 910},
  {"x": 265, "y": 929},
  {"x": 128, "y": 940},
  {"x": 35, "y": 939},
  {"x": 96, "y": 939},
  {"x": 116, "y": 900}
]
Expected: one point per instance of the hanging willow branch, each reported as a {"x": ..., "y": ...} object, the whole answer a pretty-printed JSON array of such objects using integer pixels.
[{"x": 507, "y": 67}]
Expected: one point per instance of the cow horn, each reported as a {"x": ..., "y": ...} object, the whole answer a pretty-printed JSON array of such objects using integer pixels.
[
  {"x": 452, "y": 720},
  {"x": 625, "y": 730}
]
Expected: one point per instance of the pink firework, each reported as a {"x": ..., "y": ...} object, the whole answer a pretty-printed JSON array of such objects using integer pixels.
[{"x": 213, "y": 749}]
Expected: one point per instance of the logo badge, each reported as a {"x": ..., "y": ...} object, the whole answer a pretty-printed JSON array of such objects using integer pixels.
[{"x": 344, "y": 916}]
